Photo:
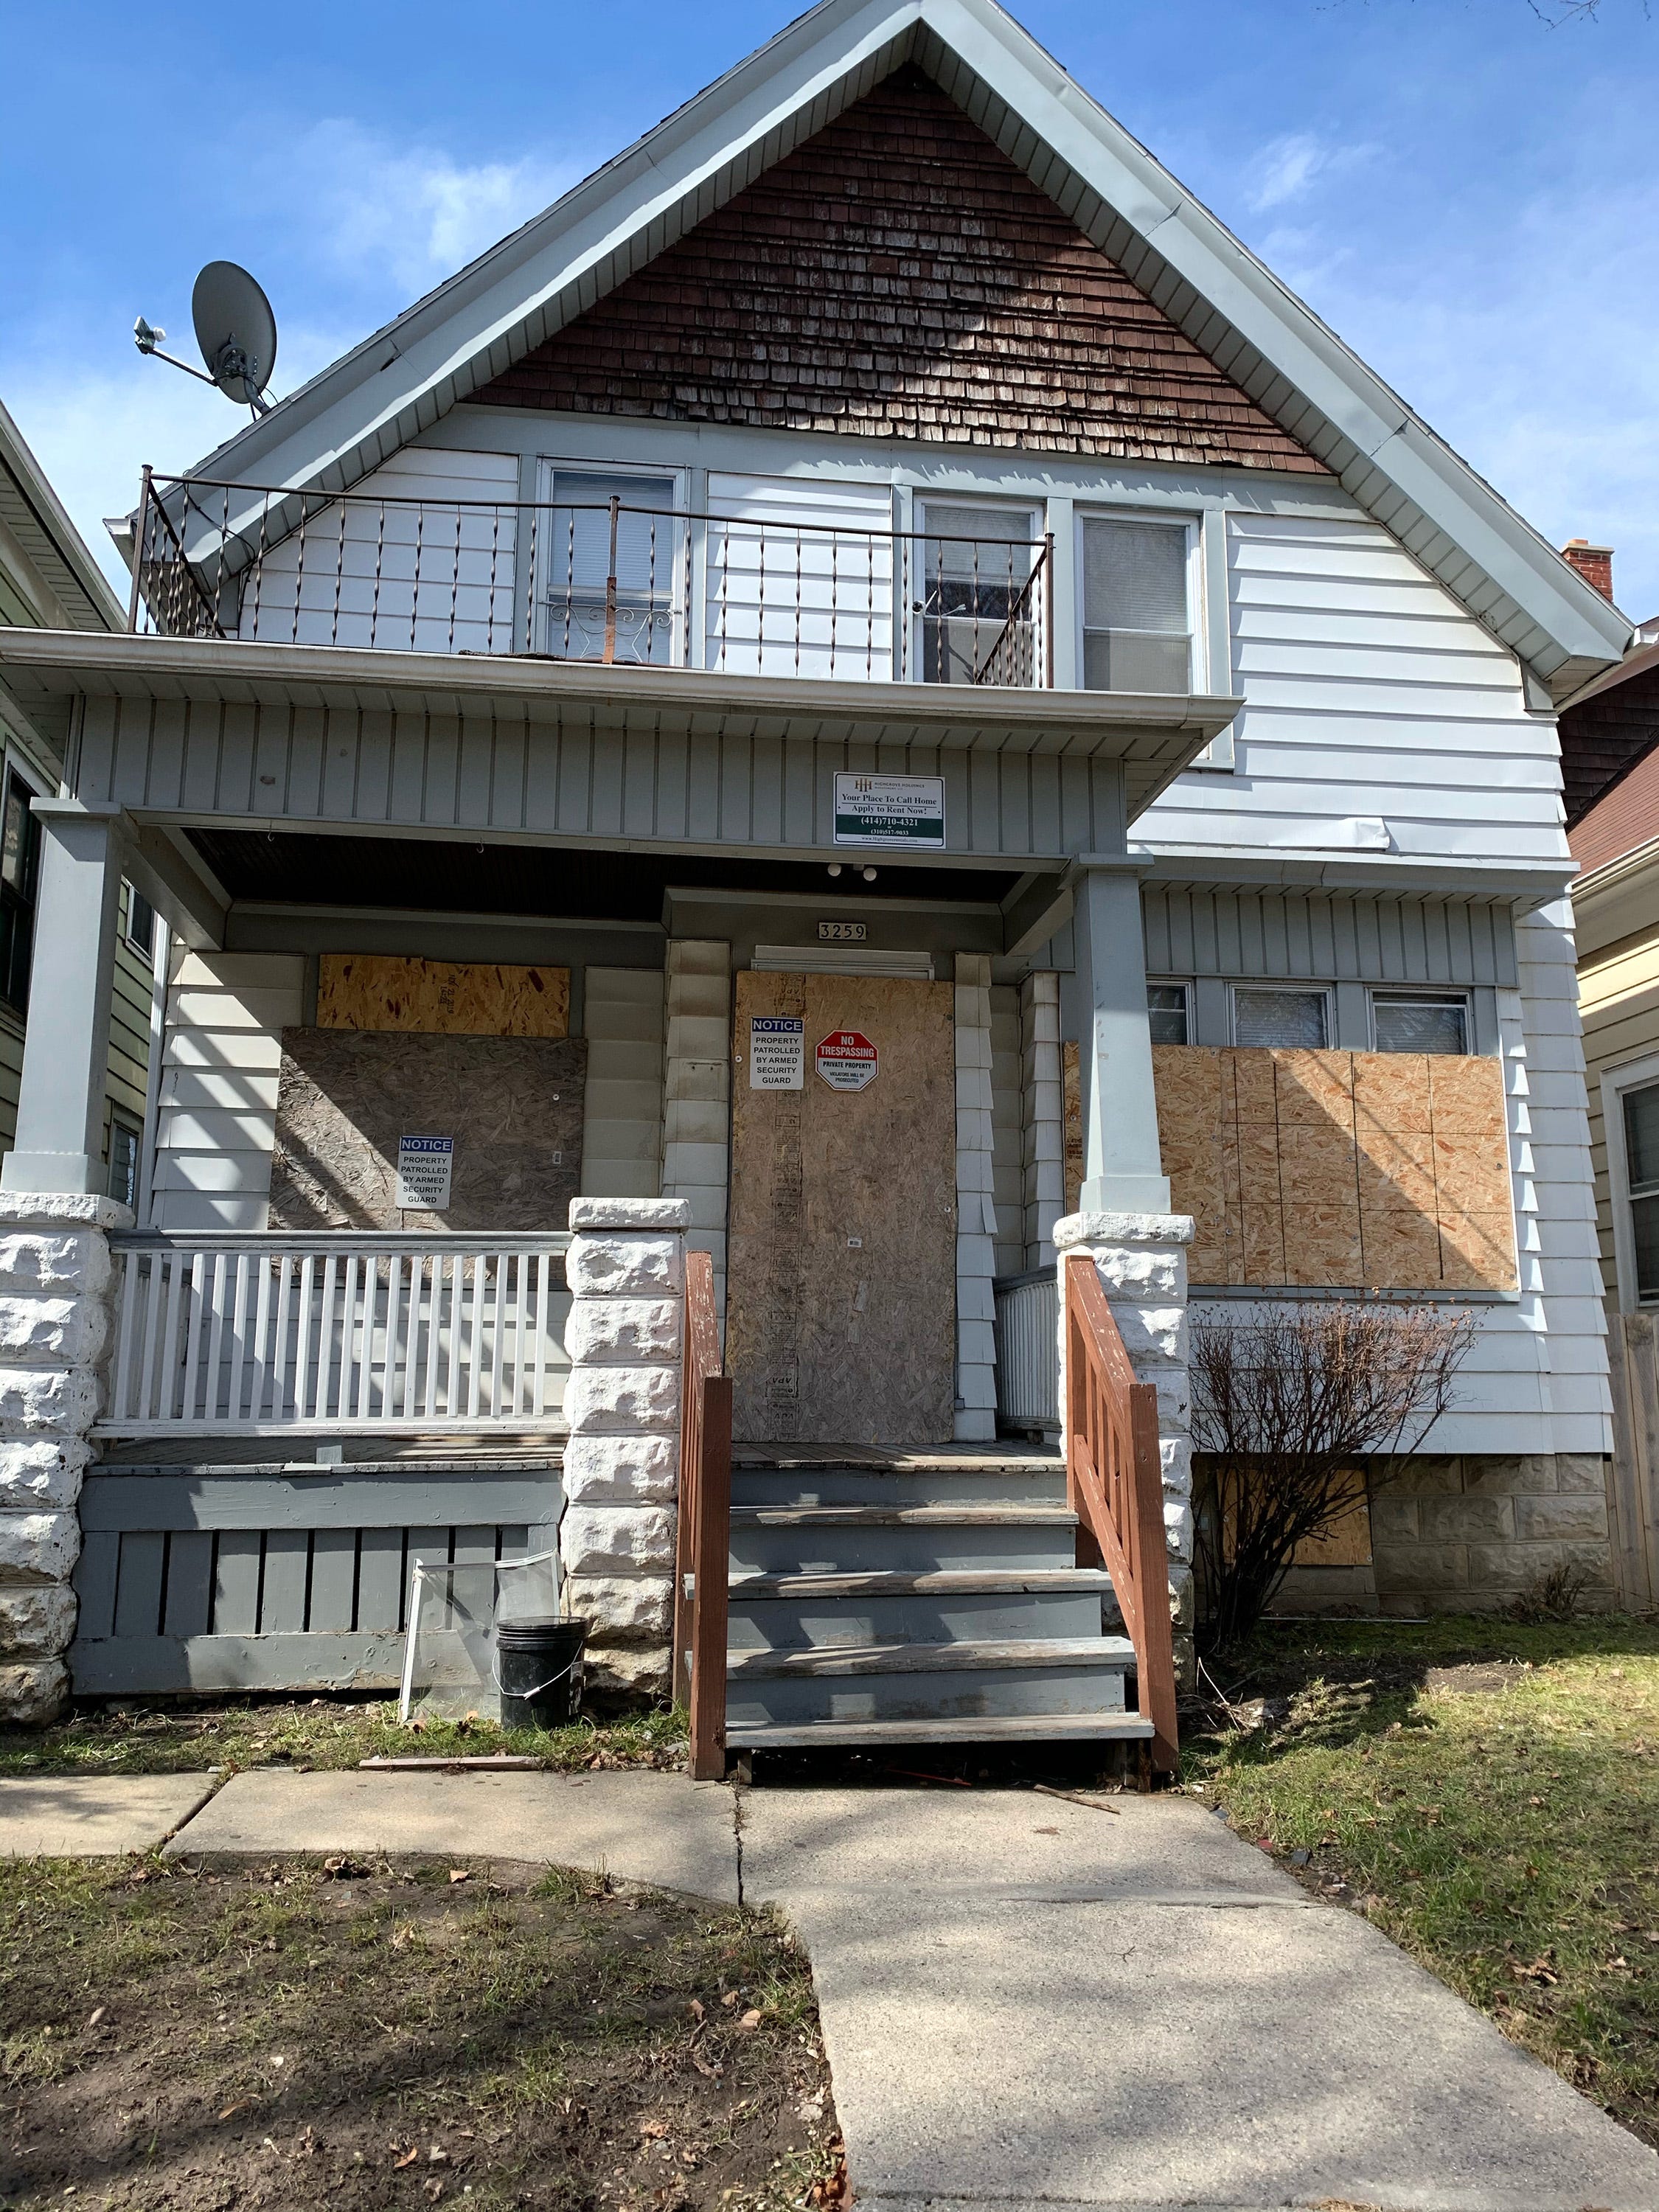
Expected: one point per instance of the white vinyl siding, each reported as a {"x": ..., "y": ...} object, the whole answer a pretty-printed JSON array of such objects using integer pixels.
[
  {"x": 798, "y": 578},
  {"x": 621, "y": 1110},
  {"x": 385, "y": 569},
  {"x": 1380, "y": 715},
  {"x": 1007, "y": 1129},
  {"x": 217, "y": 1120}
]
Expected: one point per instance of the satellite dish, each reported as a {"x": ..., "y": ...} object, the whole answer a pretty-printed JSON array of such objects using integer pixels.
[{"x": 236, "y": 331}]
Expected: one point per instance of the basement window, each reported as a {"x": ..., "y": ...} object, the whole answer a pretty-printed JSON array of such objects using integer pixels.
[
  {"x": 1401, "y": 1023},
  {"x": 1294, "y": 1018},
  {"x": 1166, "y": 1013},
  {"x": 1137, "y": 619}
]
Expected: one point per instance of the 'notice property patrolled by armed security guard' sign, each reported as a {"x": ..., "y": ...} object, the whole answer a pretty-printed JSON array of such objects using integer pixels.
[
  {"x": 424, "y": 1165},
  {"x": 890, "y": 809},
  {"x": 777, "y": 1052}
]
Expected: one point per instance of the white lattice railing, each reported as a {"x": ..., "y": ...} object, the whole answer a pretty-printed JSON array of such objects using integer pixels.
[{"x": 252, "y": 1336}]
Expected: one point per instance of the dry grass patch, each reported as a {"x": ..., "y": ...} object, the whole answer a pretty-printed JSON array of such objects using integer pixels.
[{"x": 400, "y": 2034}]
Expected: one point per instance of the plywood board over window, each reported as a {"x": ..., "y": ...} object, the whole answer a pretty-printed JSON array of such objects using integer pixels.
[
  {"x": 1338, "y": 1169},
  {"x": 442, "y": 998}
]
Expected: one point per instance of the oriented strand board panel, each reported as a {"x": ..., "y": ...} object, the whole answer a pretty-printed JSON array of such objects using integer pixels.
[
  {"x": 1338, "y": 1170},
  {"x": 841, "y": 1305},
  {"x": 513, "y": 1106},
  {"x": 440, "y": 998}
]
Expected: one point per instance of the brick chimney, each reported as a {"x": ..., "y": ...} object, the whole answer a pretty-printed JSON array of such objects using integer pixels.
[{"x": 1593, "y": 563}]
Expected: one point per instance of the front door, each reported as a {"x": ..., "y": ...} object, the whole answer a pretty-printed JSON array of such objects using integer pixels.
[{"x": 841, "y": 1297}]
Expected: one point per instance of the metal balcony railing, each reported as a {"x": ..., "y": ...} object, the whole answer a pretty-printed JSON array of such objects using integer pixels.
[{"x": 606, "y": 581}]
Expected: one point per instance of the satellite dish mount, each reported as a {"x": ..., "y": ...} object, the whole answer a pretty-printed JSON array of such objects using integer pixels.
[{"x": 235, "y": 330}]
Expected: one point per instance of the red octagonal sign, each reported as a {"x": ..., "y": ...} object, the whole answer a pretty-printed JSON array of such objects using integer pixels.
[{"x": 847, "y": 1060}]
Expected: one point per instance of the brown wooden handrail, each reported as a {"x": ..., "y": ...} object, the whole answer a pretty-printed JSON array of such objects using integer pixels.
[
  {"x": 703, "y": 1544},
  {"x": 1115, "y": 1485}
]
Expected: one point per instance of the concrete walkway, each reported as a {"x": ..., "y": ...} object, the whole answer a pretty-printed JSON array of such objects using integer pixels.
[{"x": 1027, "y": 2002}]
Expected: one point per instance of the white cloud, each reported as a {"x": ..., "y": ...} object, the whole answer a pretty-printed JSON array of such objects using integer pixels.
[
  {"x": 415, "y": 214},
  {"x": 1286, "y": 169}
]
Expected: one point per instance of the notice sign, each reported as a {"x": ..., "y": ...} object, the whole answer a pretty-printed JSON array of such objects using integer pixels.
[
  {"x": 777, "y": 1052},
  {"x": 423, "y": 1172},
  {"x": 847, "y": 1061},
  {"x": 890, "y": 809}
]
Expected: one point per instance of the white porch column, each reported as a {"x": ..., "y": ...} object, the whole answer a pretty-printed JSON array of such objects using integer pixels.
[
  {"x": 626, "y": 1270},
  {"x": 55, "y": 1298},
  {"x": 1042, "y": 1115},
  {"x": 1121, "y": 1169},
  {"x": 696, "y": 1087},
  {"x": 977, "y": 1220},
  {"x": 60, "y": 1144},
  {"x": 1141, "y": 1261}
]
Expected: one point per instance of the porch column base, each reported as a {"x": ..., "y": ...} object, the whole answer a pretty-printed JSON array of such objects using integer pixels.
[
  {"x": 626, "y": 1271},
  {"x": 1141, "y": 1261},
  {"x": 56, "y": 1296}
]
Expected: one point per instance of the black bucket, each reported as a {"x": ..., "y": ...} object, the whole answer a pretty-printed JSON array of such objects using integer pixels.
[{"x": 539, "y": 1671}]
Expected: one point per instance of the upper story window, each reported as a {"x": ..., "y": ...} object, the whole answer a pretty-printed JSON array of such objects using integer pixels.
[
  {"x": 1166, "y": 1013},
  {"x": 979, "y": 608},
  {"x": 1406, "y": 1023},
  {"x": 1278, "y": 1016},
  {"x": 1136, "y": 611},
  {"x": 1641, "y": 1116},
  {"x": 609, "y": 567},
  {"x": 20, "y": 869}
]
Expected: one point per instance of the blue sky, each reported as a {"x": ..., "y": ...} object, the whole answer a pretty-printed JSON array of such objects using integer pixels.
[{"x": 1467, "y": 189}]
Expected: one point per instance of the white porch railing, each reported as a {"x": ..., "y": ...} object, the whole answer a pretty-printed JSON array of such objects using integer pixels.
[{"x": 349, "y": 1332}]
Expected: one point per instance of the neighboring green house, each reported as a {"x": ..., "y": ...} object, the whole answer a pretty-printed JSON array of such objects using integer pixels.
[{"x": 49, "y": 581}]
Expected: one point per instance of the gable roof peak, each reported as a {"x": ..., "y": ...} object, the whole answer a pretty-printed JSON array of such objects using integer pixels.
[{"x": 513, "y": 298}]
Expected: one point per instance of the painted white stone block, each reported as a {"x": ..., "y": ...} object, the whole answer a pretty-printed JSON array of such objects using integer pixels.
[
  {"x": 622, "y": 1399},
  {"x": 35, "y": 1400},
  {"x": 606, "y": 1264},
  {"x": 638, "y": 1215},
  {"x": 38, "y": 1547},
  {"x": 42, "y": 1472},
  {"x": 70, "y": 1264},
  {"x": 622, "y": 1331},
  {"x": 1178, "y": 1528},
  {"x": 36, "y": 1622},
  {"x": 1150, "y": 1334},
  {"x": 622, "y": 1607},
  {"x": 621, "y": 1470},
  {"x": 35, "y": 1694},
  {"x": 52, "y": 1331},
  {"x": 611, "y": 1540}
]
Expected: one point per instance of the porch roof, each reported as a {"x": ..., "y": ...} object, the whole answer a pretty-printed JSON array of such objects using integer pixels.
[{"x": 1154, "y": 735}]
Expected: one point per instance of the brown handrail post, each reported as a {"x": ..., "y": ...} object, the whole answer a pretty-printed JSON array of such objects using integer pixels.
[
  {"x": 1115, "y": 1485},
  {"x": 703, "y": 1538}
]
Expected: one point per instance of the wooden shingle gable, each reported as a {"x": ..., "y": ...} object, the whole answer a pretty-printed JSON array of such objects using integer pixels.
[{"x": 898, "y": 275}]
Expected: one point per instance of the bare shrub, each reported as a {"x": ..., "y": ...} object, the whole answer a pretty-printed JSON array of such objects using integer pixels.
[
  {"x": 1555, "y": 1595},
  {"x": 1287, "y": 1406}
]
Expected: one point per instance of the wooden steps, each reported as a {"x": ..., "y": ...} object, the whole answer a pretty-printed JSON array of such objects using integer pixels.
[
  {"x": 1112, "y": 1651},
  {"x": 1022, "y": 1727}
]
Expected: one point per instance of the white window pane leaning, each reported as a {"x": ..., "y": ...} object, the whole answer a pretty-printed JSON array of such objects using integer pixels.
[{"x": 1280, "y": 1018}]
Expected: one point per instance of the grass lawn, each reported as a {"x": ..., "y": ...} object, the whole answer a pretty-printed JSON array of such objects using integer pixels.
[
  {"x": 314, "y": 1732},
  {"x": 400, "y": 2034},
  {"x": 1488, "y": 1794}
]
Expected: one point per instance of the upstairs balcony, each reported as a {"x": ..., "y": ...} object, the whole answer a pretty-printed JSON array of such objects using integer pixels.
[{"x": 605, "y": 582}]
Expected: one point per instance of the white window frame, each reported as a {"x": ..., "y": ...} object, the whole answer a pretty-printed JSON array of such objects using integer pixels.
[
  {"x": 1000, "y": 502},
  {"x": 1428, "y": 996},
  {"x": 1634, "y": 1075},
  {"x": 1277, "y": 983},
  {"x": 1197, "y": 653},
  {"x": 549, "y": 465}
]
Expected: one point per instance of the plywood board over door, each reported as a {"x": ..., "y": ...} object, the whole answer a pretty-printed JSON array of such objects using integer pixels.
[{"x": 840, "y": 1313}]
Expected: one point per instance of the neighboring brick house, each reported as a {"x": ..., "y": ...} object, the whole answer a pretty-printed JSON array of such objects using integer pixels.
[{"x": 871, "y": 698}]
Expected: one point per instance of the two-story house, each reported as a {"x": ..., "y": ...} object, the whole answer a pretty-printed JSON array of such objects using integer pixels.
[{"x": 872, "y": 696}]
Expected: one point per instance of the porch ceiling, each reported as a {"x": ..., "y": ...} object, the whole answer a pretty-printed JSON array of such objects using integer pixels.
[
  {"x": 1154, "y": 735},
  {"x": 452, "y": 875}
]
